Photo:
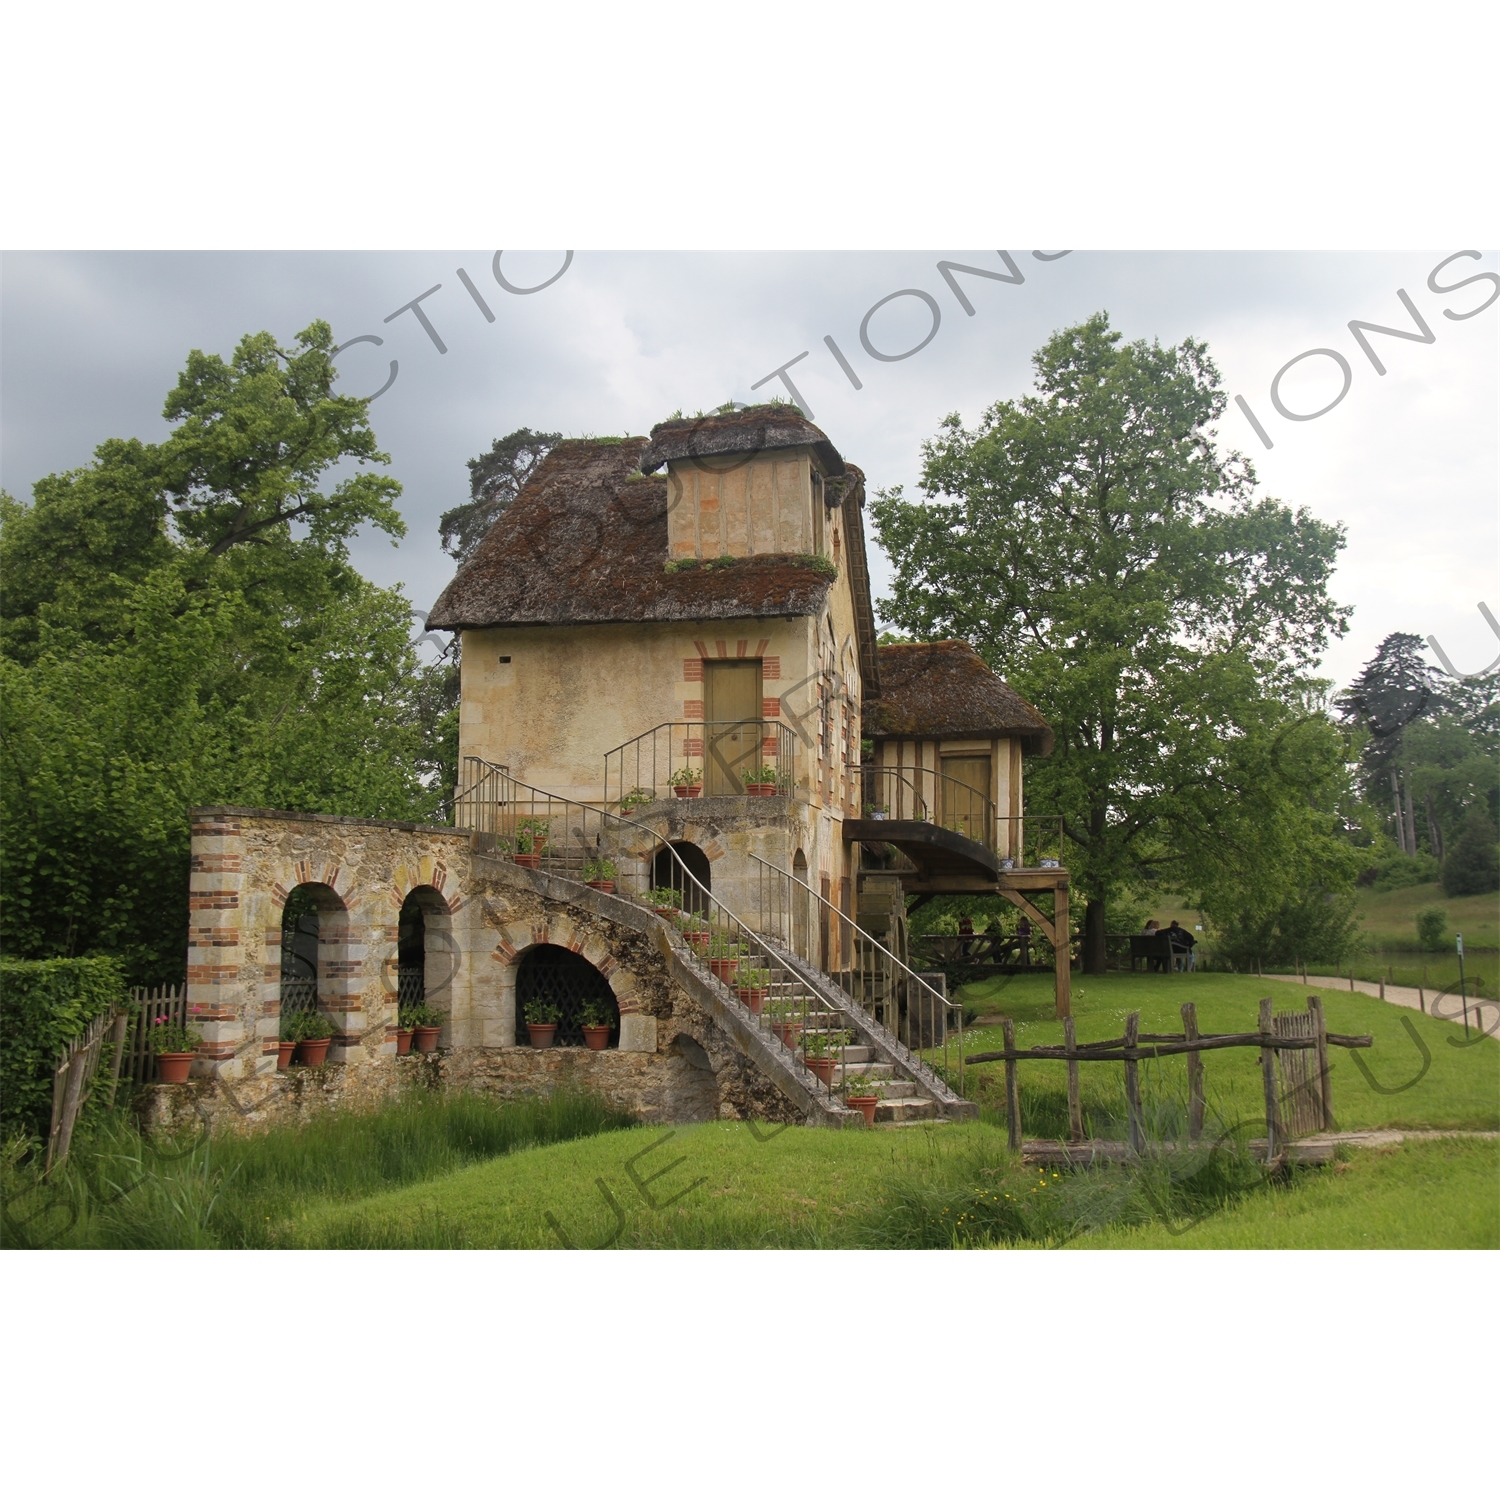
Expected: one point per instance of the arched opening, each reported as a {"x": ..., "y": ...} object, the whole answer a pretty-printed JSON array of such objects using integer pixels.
[
  {"x": 552, "y": 976},
  {"x": 666, "y": 873},
  {"x": 425, "y": 955},
  {"x": 313, "y": 923}
]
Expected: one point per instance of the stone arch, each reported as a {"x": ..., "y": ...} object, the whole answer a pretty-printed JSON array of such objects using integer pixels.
[
  {"x": 665, "y": 871},
  {"x": 319, "y": 964},
  {"x": 424, "y": 958},
  {"x": 563, "y": 977},
  {"x": 637, "y": 1032}
]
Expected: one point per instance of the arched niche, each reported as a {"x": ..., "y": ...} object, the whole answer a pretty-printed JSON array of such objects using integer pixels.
[
  {"x": 314, "y": 949},
  {"x": 558, "y": 976},
  {"x": 426, "y": 951},
  {"x": 666, "y": 872}
]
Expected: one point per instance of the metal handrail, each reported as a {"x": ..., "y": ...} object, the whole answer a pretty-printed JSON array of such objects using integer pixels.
[
  {"x": 863, "y": 984},
  {"x": 509, "y": 818},
  {"x": 643, "y": 769}
]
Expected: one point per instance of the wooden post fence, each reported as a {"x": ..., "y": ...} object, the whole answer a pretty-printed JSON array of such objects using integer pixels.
[
  {"x": 1294, "y": 1044},
  {"x": 1196, "y": 1099}
]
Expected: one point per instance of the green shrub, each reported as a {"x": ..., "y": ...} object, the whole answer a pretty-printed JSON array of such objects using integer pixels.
[
  {"x": 1432, "y": 923},
  {"x": 44, "y": 1005}
]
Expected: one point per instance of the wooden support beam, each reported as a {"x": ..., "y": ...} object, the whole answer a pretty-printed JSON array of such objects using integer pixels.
[{"x": 1060, "y": 947}]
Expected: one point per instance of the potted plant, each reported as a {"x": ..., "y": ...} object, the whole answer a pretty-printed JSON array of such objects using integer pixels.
[
  {"x": 875, "y": 813},
  {"x": 863, "y": 1094},
  {"x": 819, "y": 1049},
  {"x": 687, "y": 782},
  {"x": 425, "y": 1024},
  {"x": 637, "y": 796},
  {"x": 542, "y": 1017},
  {"x": 665, "y": 902},
  {"x": 724, "y": 956},
  {"x": 314, "y": 1034},
  {"x": 695, "y": 929},
  {"x": 404, "y": 1031},
  {"x": 785, "y": 1022},
  {"x": 287, "y": 1040},
  {"x": 531, "y": 839},
  {"x": 600, "y": 873},
  {"x": 761, "y": 782},
  {"x": 175, "y": 1047},
  {"x": 752, "y": 987},
  {"x": 596, "y": 1022}
]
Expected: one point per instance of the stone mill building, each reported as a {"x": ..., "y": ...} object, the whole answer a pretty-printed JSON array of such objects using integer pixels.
[{"x": 695, "y": 794}]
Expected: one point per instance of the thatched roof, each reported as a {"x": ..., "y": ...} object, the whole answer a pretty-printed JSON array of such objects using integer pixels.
[
  {"x": 944, "y": 690},
  {"x": 586, "y": 541},
  {"x": 756, "y": 429}
]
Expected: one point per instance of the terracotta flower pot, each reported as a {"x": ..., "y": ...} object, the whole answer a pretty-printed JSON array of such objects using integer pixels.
[
  {"x": 403, "y": 1042},
  {"x": 761, "y": 789},
  {"x": 314, "y": 1052},
  {"x": 425, "y": 1038},
  {"x": 755, "y": 999},
  {"x": 822, "y": 1068},
  {"x": 865, "y": 1106},
  {"x": 666, "y": 911},
  {"x": 699, "y": 940},
  {"x": 284, "y": 1052},
  {"x": 788, "y": 1033},
  {"x": 541, "y": 1036},
  {"x": 723, "y": 968},
  {"x": 606, "y": 886},
  {"x": 597, "y": 1037},
  {"x": 529, "y": 861},
  {"x": 172, "y": 1067},
  {"x": 687, "y": 791}
]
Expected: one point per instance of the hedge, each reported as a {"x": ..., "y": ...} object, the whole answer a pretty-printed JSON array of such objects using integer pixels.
[{"x": 45, "y": 1004}]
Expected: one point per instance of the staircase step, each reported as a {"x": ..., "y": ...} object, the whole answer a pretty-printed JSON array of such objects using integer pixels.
[
  {"x": 865, "y": 1070},
  {"x": 904, "y": 1111}
]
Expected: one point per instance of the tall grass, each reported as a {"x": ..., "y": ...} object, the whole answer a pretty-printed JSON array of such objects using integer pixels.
[
  {"x": 987, "y": 1198},
  {"x": 123, "y": 1190}
]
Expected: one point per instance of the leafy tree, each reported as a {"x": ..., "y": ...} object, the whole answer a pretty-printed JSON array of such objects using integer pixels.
[
  {"x": 1108, "y": 560},
  {"x": 495, "y": 479},
  {"x": 182, "y": 628},
  {"x": 1472, "y": 867}
]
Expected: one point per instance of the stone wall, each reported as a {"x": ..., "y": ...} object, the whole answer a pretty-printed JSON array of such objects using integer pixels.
[{"x": 482, "y": 916}]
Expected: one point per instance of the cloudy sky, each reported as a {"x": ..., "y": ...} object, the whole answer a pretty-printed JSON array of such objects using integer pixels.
[{"x": 90, "y": 342}]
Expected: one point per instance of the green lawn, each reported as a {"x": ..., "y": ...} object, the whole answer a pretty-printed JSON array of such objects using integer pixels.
[
  {"x": 1423, "y": 1195},
  {"x": 812, "y": 1189},
  {"x": 1445, "y": 1086},
  {"x": 1389, "y": 917}
]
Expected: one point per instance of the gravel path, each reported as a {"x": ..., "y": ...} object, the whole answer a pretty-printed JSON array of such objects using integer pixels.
[{"x": 1484, "y": 1015}]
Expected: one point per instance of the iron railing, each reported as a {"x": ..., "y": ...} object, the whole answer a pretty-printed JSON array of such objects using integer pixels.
[
  {"x": 721, "y": 758},
  {"x": 812, "y": 928},
  {"x": 915, "y": 794},
  {"x": 541, "y": 830}
]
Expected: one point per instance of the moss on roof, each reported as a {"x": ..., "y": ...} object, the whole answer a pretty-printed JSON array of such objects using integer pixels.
[{"x": 945, "y": 690}]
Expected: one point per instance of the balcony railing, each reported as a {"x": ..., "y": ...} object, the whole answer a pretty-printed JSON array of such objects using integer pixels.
[
  {"x": 720, "y": 758},
  {"x": 914, "y": 794}
]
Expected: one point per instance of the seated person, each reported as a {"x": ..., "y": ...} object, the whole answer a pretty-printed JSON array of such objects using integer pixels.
[
  {"x": 1182, "y": 945},
  {"x": 1156, "y": 965}
]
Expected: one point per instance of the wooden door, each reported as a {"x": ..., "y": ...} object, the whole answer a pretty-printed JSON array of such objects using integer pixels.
[
  {"x": 731, "y": 707},
  {"x": 966, "y": 796}
]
